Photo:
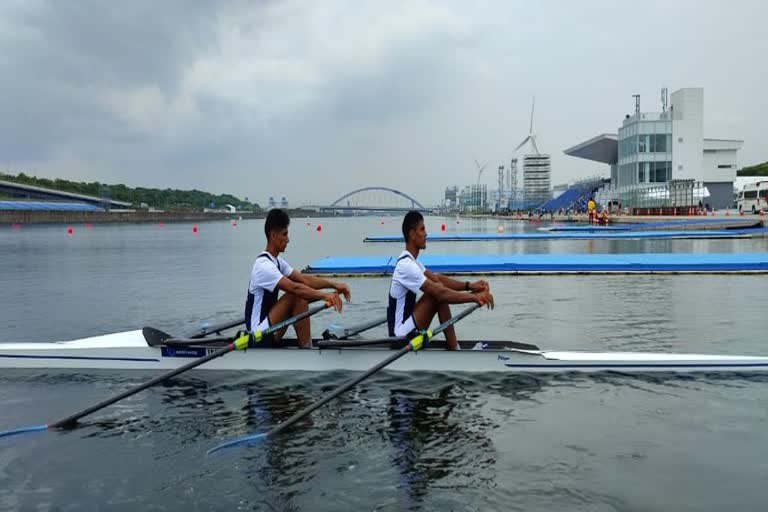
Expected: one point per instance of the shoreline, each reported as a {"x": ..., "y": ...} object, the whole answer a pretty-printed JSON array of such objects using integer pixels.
[{"x": 74, "y": 217}]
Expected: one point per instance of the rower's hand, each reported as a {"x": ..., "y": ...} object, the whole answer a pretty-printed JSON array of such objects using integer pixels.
[
  {"x": 479, "y": 286},
  {"x": 484, "y": 299},
  {"x": 333, "y": 299},
  {"x": 344, "y": 290}
]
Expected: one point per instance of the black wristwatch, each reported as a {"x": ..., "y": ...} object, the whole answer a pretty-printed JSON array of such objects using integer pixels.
[{"x": 466, "y": 286}]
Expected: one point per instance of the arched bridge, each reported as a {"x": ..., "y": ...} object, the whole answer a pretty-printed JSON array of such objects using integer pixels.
[{"x": 380, "y": 199}]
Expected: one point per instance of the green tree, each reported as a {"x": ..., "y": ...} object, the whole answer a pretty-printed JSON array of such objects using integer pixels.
[{"x": 169, "y": 199}]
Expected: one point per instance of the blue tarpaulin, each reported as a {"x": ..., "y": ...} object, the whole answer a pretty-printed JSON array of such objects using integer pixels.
[{"x": 551, "y": 263}]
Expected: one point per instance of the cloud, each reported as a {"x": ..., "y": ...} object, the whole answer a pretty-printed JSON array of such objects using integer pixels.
[{"x": 308, "y": 100}]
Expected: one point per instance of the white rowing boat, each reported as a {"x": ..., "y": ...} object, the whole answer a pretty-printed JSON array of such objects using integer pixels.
[{"x": 130, "y": 351}]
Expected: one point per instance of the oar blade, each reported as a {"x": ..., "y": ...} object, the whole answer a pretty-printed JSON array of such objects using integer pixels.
[
  {"x": 155, "y": 337},
  {"x": 240, "y": 441},
  {"x": 23, "y": 430}
]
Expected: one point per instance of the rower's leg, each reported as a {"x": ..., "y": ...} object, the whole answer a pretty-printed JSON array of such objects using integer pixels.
[
  {"x": 424, "y": 311},
  {"x": 287, "y": 306},
  {"x": 444, "y": 314}
]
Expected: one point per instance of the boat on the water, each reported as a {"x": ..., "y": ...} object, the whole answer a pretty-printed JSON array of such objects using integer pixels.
[{"x": 130, "y": 350}]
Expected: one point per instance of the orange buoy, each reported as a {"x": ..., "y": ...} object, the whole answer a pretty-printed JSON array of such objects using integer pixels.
[
  {"x": 194, "y": 228},
  {"x": 442, "y": 226},
  {"x": 500, "y": 229},
  {"x": 319, "y": 228},
  {"x": 70, "y": 230}
]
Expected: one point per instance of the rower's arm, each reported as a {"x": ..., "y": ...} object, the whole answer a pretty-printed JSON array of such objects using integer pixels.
[
  {"x": 448, "y": 282},
  {"x": 301, "y": 290},
  {"x": 454, "y": 284},
  {"x": 443, "y": 294},
  {"x": 319, "y": 283}
]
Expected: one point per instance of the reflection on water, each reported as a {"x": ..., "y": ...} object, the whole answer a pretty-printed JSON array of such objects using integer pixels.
[
  {"x": 424, "y": 442},
  {"x": 397, "y": 442}
]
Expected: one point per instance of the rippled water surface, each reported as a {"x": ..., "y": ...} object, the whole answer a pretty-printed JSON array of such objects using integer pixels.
[{"x": 415, "y": 442}]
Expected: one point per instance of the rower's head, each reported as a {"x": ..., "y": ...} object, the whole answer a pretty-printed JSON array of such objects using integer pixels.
[
  {"x": 414, "y": 231},
  {"x": 276, "y": 229}
]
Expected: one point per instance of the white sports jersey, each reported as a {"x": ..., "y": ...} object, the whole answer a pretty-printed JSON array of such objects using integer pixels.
[
  {"x": 407, "y": 279},
  {"x": 262, "y": 288}
]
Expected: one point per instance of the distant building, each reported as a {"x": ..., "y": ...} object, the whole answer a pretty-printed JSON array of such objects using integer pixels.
[
  {"x": 536, "y": 179},
  {"x": 451, "y": 197},
  {"x": 283, "y": 203},
  {"x": 474, "y": 198},
  {"x": 271, "y": 204},
  {"x": 654, "y": 148}
]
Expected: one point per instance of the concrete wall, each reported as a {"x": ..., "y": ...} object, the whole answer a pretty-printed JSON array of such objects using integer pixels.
[
  {"x": 720, "y": 194},
  {"x": 713, "y": 166},
  {"x": 687, "y": 133}
]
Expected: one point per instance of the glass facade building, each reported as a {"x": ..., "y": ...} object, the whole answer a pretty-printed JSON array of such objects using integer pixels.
[{"x": 645, "y": 149}]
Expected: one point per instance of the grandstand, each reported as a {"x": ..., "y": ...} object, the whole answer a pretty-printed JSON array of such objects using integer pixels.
[
  {"x": 49, "y": 205},
  {"x": 575, "y": 197}
]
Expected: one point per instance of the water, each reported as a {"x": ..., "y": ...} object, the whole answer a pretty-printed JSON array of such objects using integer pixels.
[{"x": 398, "y": 442}]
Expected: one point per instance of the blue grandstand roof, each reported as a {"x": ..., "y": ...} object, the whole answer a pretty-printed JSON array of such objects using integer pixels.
[{"x": 48, "y": 205}]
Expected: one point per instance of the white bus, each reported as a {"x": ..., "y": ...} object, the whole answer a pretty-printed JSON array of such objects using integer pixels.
[{"x": 753, "y": 197}]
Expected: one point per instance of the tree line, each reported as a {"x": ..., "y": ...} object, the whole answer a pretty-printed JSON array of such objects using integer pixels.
[
  {"x": 754, "y": 170},
  {"x": 154, "y": 197}
]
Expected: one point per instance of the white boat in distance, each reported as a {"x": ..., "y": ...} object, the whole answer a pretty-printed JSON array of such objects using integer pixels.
[{"x": 131, "y": 351}]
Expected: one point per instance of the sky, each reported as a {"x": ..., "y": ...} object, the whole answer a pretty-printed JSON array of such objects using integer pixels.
[{"x": 310, "y": 100}]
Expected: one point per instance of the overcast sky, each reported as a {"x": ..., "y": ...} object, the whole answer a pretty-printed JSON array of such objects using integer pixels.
[{"x": 313, "y": 99}]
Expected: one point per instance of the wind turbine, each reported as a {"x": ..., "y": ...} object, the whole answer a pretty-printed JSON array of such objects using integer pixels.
[
  {"x": 480, "y": 169},
  {"x": 531, "y": 136}
]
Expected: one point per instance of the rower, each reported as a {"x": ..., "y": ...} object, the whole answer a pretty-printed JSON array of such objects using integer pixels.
[
  {"x": 271, "y": 273},
  {"x": 405, "y": 314}
]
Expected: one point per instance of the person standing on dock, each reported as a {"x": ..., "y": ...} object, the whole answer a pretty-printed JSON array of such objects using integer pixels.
[
  {"x": 271, "y": 273},
  {"x": 405, "y": 314}
]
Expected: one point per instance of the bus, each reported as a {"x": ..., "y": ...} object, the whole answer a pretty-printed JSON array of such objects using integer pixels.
[{"x": 753, "y": 197}]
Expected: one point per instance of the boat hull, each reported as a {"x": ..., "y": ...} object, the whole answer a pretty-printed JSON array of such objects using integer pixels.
[{"x": 129, "y": 351}]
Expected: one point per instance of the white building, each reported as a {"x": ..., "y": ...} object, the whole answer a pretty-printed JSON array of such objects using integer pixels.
[{"x": 657, "y": 147}]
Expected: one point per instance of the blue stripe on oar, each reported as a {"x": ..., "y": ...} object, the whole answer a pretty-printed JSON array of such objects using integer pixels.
[
  {"x": 249, "y": 439},
  {"x": 23, "y": 430}
]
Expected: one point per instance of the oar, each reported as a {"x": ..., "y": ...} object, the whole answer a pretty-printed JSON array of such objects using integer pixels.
[
  {"x": 239, "y": 343},
  {"x": 339, "y": 332},
  {"x": 415, "y": 344},
  {"x": 206, "y": 330}
]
